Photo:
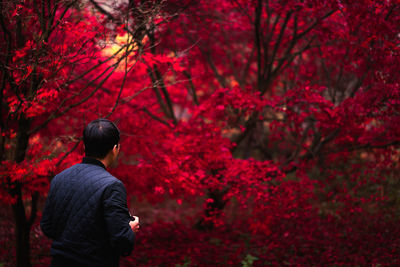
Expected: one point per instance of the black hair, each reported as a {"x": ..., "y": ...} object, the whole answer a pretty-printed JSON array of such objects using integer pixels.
[{"x": 99, "y": 137}]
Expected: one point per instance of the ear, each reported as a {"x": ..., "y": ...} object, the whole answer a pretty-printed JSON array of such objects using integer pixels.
[{"x": 116, "y": 148}]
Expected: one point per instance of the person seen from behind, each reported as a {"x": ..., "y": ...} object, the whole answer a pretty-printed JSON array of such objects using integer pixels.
[{"x": 86, "y": 213}]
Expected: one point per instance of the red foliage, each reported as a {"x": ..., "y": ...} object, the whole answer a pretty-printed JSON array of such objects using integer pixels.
[{"x": 286, "y": 112}]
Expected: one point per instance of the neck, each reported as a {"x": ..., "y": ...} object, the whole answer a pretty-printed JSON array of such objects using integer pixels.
[
  {"x": 109, "y": 159},
  {"x": 105, "y": 161}
]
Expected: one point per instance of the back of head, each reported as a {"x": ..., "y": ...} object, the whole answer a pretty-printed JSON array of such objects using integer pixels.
[{"x": 99, "y": 137}]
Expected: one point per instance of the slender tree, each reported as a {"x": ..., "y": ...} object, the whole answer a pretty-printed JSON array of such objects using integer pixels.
[{"x": 54, "y": 60}]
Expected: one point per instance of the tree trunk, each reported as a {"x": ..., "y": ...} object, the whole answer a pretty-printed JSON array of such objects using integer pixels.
[
  {"x": 22, "y": 231},
  {"x": 22, "y": 224},
  {"x": 213, "y": 209}
]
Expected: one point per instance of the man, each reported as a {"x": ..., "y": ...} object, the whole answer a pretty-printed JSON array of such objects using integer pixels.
[{"x": 86, "y": 212}]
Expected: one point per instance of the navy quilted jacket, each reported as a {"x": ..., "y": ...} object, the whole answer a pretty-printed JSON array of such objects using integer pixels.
[{"x": 87, "y": 217}]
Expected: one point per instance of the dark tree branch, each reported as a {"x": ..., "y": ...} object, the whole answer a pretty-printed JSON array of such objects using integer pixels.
[
  {"x": 258, "y": 33},
  {"x": 192, "y": 88},
  {"x": 207, "y": 55},
  {"x": 165, "y": 93},
  {"x": 123, "y": 82},
  {"x": 154, "y": 117},
  {"x": 59, "y": 113},
  {"x": 68, "y": 153},
  {"x": 157, "y": 92},
  {"x": 103, "y": 11},
  {"x": 316, "y": 22},
  {"x": 269, "y": 66},
  {"x": 4, "y": 70}
]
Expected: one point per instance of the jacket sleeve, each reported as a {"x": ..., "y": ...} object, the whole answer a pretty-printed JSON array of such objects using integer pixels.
[{"x": 117, "y": 217}]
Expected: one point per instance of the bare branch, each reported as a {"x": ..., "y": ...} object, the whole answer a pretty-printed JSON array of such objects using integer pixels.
[
  {"x": 312, "y": 26},
  {"x": 83, "y": 100},
  {"x": 123, "y": 81},
  {"x": 157, "y": 92},
  {"x": 269, "y": 67},
  {"x": 103, "y": 11},
  {"x": 155, "y": 117},
  {"x": 258, "y": 32},
  {"x": 69, "y": 152},
  {"x": 191, "y": 86},
  {"x": 165, "y": 93}
]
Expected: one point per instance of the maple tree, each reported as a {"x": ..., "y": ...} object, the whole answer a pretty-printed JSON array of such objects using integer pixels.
[
  {"x": 55, "y": 57},
  {"x": 286, "y": 112}
]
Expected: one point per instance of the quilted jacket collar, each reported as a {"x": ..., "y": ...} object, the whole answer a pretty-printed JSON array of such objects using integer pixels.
[{"x": 93, "y": 161}]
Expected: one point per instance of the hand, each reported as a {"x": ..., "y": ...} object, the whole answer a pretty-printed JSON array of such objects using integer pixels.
[{"x": 134, "y": 224}]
